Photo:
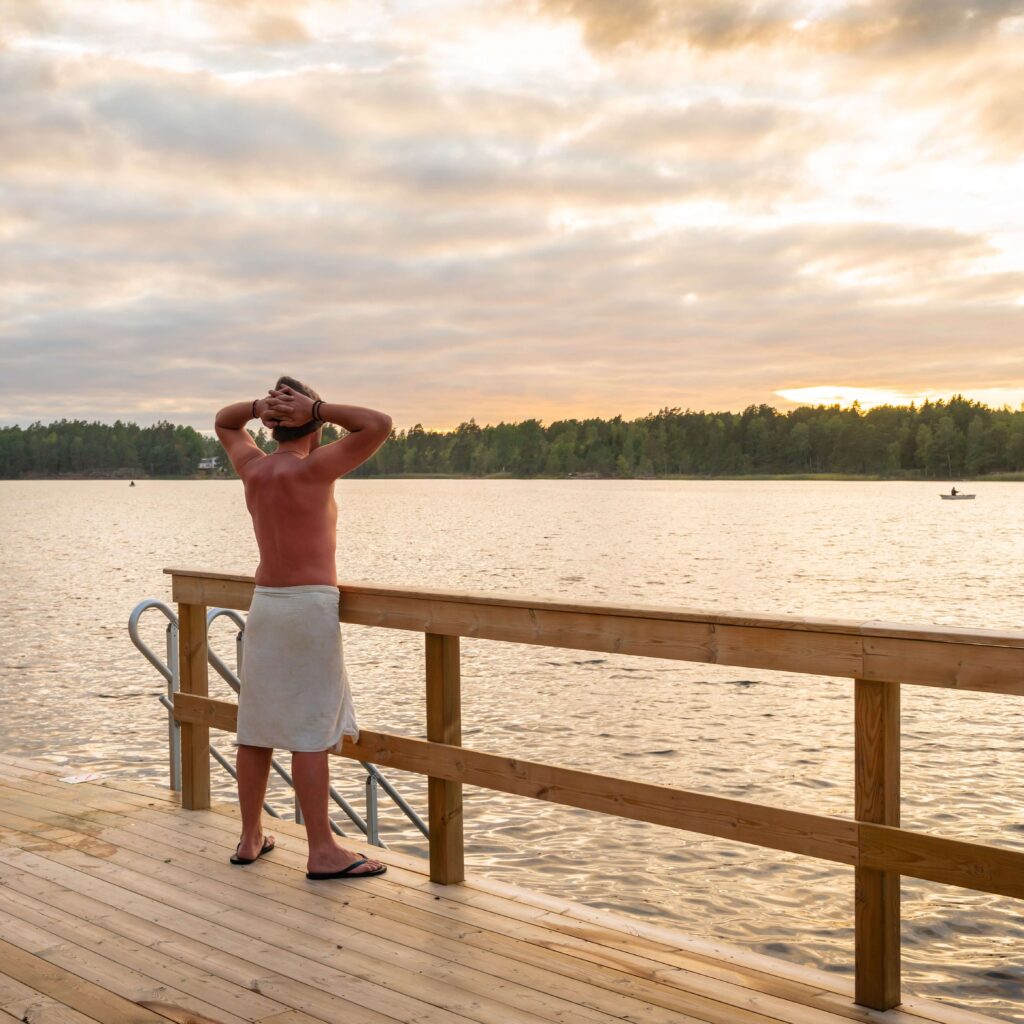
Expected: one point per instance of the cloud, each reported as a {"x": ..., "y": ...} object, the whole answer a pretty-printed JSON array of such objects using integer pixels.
[
  {"x": 872, "y": 27},
  {"x": 710, "y": 24},
  {"x": 586, "y": 322},
  {"x": 188, "y": 214},
  {"x": 939, "y": 54}
]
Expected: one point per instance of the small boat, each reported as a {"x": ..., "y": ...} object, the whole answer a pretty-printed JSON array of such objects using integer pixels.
[{"x": 958, "y": 497}]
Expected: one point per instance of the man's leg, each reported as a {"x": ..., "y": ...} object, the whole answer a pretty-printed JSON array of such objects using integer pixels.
[
  {"x": 310, "y": 774},
  {"x": 253, "y": 767}
]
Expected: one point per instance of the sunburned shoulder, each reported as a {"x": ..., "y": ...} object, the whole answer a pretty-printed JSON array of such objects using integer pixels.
[{"x": 281, "y": 466}]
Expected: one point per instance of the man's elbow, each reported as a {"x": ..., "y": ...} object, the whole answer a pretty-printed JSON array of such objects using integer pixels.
[
  {"x": 384, "y": 424},
  {"x": 228, "y": 419}
]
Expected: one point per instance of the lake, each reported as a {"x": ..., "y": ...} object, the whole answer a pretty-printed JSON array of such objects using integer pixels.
[{"x": 80, "y": 555}]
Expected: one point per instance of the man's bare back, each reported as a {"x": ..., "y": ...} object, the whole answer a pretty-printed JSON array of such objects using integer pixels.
[
  {"x": 290, "y": 494},
  {"x": 295, "y": 518}
]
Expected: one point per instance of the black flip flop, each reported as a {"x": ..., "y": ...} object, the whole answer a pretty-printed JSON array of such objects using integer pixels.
[
  {"x": 349, "y": 872},
  {"x": 267, "y": 847}
]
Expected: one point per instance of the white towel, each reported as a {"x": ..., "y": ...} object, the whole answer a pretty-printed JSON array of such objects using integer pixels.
[{"x": 295, "y": 692}]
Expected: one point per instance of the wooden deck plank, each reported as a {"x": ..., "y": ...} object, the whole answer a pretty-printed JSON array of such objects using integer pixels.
[
  {"x": 626, "y": 957},
  {"x": 456, "y": 987},
  {"x": 205, "y": 993},
  {"x": 649, "y": 971},
  {"x": 68, "y": 988},
  {"x": 719, "y": 991},
  {"x": 662, "y": 940},
  {"x": 247, "y": 975},
  {"x": 289, "y": 951},
  {"x": 821, "y": 1000},
  {"x": 535, "y": 957},
  {"x": 366, "y": 930},
  {"x": 733, "y": 1015},
  {"x": 710, "y": 1005},
  {"x": 20, "y": 1002},
  {"x": 355, "y": 918},
  {"x": 703, "y": 951},
  {"x": 395, "y": 954},
  {"x": 108, "y": 972}
]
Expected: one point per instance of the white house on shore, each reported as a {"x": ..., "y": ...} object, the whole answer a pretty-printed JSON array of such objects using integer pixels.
[{"x": 210, "y": 464}]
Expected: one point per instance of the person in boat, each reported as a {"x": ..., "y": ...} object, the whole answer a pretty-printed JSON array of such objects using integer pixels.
[
  {"x": 954, "y": 492},
  {"x": 295, "y": 691}
]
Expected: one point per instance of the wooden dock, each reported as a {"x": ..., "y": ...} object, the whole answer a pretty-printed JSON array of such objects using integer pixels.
[{"x": 119, "y": 907}]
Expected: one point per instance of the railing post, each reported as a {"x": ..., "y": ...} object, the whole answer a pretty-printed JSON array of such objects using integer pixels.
[
  {"x": 193, "y": 678},
  {"x": 444, "y": 725},
  {"x": 877, "y": 799}
]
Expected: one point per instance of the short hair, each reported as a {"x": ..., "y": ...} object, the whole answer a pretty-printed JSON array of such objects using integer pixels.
[{"x": 279, "y": 433}]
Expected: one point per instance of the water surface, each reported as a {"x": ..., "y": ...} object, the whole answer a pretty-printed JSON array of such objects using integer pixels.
[{"x": 80, "y": 555}]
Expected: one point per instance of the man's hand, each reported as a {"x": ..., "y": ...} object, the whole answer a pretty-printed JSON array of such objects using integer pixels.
[
  {"x": 264, "y": 414},
  {"x": 289, "y": 408}
]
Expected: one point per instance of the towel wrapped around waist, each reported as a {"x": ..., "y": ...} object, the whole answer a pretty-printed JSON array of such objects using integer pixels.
[{"x": 295, "y": 692}]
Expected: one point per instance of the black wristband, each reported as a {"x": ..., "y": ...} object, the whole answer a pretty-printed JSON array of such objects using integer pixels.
[
  {"x": 254, "y": 401},
  {"x": 316, "y": 408}
]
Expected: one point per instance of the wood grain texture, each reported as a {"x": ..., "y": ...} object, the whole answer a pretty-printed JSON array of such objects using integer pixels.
[
  {"x": 984, "y": 868},
  {"x": 814, "y": 835},
  {"x": 981, "y": 660},
  {"x": 874, "y": 627},
  {"x": 939, "y": 859},
  {"x": 68, "y": 989},
  {"x": 444, "y": 725},
  {"x": 194, "y": 680},
  {"x": 214, "y": 714},
  {"x": 950, "y": 665},
  {"x": 137, "y": 898},
  {"x": 877, "y": 799}
]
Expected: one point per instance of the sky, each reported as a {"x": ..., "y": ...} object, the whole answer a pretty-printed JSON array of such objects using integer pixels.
[{"x": 448, "y": 209}]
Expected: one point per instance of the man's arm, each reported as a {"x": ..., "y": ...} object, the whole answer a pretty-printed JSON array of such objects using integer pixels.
[
  {"x": 367, "y": 430},
  {"x": 230, "y": 427}
]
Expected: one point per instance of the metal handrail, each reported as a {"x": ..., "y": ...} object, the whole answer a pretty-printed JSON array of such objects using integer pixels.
[{"x": 169, "y": 670}]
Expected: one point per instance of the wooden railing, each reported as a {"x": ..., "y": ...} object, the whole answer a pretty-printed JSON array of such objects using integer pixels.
[{"x": 878, "y": 656}]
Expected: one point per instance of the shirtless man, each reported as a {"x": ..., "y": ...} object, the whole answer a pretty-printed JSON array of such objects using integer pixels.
[{"x": 294, "y": 688}]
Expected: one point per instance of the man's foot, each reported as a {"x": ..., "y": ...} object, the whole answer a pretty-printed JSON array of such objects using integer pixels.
[
  {"x": 251, "y": 850},
  {"x": 337, "y": 862}
]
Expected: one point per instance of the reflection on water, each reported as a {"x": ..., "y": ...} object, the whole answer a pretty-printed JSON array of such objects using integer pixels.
[{"x": 80, "y": 555}]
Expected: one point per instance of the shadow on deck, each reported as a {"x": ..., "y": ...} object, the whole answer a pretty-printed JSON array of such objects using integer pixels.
[{"x": 117, "y": 907}]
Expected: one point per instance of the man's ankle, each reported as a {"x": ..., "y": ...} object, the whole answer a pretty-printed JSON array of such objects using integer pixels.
[{"x": 318, "y": 846}]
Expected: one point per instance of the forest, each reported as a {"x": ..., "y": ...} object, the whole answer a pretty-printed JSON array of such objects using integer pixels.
[{"x": 940, "y": 440}]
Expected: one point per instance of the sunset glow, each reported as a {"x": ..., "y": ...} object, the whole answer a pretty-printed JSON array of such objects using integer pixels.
[
  {"x": 455, "y": 209},
  {"x": 871, "y": 398}
]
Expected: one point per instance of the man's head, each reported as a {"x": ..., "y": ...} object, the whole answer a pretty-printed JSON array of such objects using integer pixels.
[{"x": 294, "y": 433}]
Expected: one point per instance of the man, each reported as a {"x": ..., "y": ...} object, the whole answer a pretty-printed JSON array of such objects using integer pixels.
[{"x": 294, "y": 687}]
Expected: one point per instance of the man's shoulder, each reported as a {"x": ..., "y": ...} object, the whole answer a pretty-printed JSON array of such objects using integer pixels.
[{"x": 254, "y": 468}]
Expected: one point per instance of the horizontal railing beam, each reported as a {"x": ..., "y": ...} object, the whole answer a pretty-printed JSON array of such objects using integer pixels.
[
  {"x": 950, "y": 659},
  {"x": 938, "y": 859},
  {"x": 949, "y": 634},
  {"x": 812, "y": 835},
  {"x": 840, "y": 840}
]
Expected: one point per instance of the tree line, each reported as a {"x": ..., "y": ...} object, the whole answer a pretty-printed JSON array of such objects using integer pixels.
[{"x": 934, "y": 440}]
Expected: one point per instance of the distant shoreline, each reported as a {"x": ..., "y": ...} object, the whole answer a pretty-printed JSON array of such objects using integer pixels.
[{"x": 826, "y": 477}]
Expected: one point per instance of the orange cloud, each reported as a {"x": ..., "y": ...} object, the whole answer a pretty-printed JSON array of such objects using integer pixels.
[{"x": 700, "y": 229}]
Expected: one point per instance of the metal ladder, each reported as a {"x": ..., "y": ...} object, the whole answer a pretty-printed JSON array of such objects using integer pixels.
[{"x": 169, "y": 670}]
